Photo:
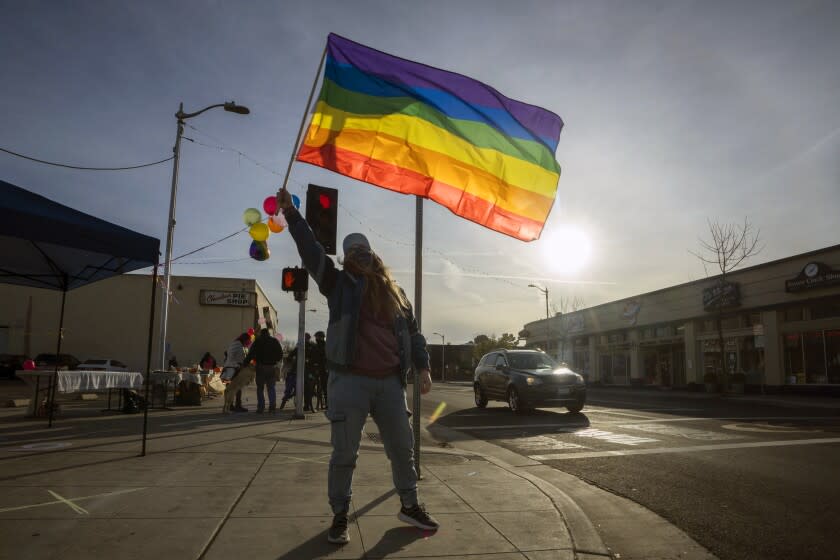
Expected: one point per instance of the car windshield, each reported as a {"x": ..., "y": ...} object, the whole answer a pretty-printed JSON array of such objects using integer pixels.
[
  {"x": 531, "y": 361},
  {"x": 95, "y": 362}
]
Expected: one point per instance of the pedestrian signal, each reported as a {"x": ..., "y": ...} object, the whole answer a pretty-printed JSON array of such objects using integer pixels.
[
  {"x": 322, "y": 215},
  {"x": 295, "y": 280}
]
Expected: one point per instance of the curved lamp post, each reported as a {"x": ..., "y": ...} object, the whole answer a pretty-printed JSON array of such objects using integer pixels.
[
  {"x": 442, "y": 357},
  {"x": 231, "y": 107},
  {"x": 547, "y": 317}
]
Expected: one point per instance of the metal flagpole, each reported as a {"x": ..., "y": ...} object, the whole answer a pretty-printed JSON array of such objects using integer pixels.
[
  {"x": 301, "y": 350},
  {"x": 418, "y": 312}
]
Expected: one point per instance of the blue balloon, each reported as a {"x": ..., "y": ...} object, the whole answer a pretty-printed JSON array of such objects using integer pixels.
[{"x": 296, "y": 201}]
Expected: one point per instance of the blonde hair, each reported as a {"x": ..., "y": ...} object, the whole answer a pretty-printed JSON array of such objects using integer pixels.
[{"x": 382, "y": 294}]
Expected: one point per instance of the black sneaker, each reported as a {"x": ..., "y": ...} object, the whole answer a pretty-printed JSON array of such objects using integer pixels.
[
  {"x": 338, "y": 531},
  {"x": 416, "y": 515},
  {"x": 240, "y": 409},
  {"x": 259, "y": 411}
]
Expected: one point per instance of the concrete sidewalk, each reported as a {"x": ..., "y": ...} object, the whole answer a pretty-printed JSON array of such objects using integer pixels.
[{"x": 254, "y": 486}]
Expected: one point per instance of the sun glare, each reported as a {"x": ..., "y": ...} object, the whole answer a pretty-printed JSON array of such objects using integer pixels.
[{"x": 567, "y": 250}]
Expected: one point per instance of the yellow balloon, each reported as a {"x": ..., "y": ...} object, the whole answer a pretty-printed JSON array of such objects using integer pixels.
[{"x": 259, "y": 231}]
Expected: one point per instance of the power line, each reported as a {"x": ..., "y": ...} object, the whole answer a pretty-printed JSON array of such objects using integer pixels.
[{"x": 81, "y": 168}]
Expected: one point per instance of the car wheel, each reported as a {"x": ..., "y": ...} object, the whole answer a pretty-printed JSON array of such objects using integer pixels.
[
  {"x": 480, "y": 397},
  {"x": 515, "y": 402},
  {"x": 576, "y": 406}
]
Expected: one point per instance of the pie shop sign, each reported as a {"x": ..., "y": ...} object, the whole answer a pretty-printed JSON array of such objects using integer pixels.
[
  {"x": 237, "y": 299},
  {"x": 813, "y": 275}
]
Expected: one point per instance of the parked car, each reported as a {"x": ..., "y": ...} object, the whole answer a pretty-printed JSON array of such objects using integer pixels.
[
  {"x": 10, "y": 363},
  {"x": 48, "y": 361},
  {"x": 526, "y": 379},
  {"x": 102, "y": 365}
]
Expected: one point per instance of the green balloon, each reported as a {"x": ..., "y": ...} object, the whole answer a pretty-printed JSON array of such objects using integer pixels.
[{"x": 251, "y": 216}]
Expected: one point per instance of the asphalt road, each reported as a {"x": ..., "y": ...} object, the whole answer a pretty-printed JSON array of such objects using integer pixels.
[{"x": 745, "y": 480}]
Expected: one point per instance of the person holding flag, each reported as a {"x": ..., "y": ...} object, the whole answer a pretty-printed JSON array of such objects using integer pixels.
[{"x": 372, "y": 343}]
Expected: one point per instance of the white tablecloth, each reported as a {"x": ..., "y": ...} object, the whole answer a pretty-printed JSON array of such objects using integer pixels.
[{"x": 84, "y": 381}]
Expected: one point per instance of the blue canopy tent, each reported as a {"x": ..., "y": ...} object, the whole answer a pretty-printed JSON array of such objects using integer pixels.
[{"x": 45, "y": 244}]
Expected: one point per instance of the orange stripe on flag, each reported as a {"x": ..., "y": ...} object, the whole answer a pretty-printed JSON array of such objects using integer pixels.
[{"x": 407, "y": 181}]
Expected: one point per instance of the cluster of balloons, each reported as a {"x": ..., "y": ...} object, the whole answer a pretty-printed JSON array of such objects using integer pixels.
[{"x": 260, "y": 230}]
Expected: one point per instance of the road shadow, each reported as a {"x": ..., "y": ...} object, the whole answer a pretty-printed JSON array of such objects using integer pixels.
[{"x": 506, "y": 424}]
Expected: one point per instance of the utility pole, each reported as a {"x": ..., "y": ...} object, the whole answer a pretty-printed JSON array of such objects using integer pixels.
[{"x": 547, "y": 316}]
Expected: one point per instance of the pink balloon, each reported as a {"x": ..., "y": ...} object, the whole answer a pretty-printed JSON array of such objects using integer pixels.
[
  {"x": 281, "y": 219},
  {"x": 270, "y": 205},
  {"x": 279, "y": 337}
]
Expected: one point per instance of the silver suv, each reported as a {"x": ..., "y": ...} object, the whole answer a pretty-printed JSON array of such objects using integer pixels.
[{"x": 526, "y": 379}]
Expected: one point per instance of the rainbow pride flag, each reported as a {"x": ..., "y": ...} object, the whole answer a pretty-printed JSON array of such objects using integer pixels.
[{"x": 415, "y": 129}]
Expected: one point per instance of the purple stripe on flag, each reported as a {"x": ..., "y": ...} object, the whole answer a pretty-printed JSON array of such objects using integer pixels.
[{"x": 541, "y": 122}]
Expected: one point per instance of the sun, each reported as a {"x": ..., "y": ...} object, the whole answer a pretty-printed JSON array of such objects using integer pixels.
[{"x": 567, "y": 249}]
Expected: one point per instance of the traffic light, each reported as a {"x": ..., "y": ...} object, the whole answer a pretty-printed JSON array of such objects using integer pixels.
[
  {"x": 322, "y": 215},
  {"x": 295, "y": 280}
]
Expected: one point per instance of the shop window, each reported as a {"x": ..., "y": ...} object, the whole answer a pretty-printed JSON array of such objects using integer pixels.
[
  {"x": 649, "y": 333},
  {"x": 708, "y": 326},
  {"x": 731, "y": 322},
  {"x": 663, "y": 331},
  {"x": 794, "y": 367},
  {"x": 616, "y": 337},
  {"x": 794, "y": 314},
  {"x": 814, "y": 357},
  {"x": 832, "y": 355},
  {"x": 825, "y": 310},
  {"x": 752, "y": 319}
]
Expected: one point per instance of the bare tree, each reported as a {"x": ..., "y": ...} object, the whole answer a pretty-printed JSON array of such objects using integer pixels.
[
  {"x": 567, "y": 304},
  {"x": 730, "y": 245}
]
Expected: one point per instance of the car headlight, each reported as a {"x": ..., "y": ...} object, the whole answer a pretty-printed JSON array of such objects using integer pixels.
[
  {"x": 578, "y": 379},
  {"x": 533, "y": 381}
]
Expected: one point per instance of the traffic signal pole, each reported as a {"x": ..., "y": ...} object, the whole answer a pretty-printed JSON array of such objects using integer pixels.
[{"x": 301, "y": 356}]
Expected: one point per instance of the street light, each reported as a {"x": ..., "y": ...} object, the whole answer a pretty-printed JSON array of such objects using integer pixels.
[
  {"x": 442, "y": 357},
  {"x": 231, "y": 107},
  {"x": 547, "y": 317}
]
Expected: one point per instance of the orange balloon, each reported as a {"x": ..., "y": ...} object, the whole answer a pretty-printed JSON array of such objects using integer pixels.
[{"x": 275, "y": 227}]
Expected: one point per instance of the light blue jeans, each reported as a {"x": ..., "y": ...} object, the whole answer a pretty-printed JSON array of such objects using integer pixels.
[{"x": 352, "y": 398}]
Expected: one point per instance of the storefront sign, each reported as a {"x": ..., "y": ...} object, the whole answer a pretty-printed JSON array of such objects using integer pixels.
[
  {"x": 813, "y": 275},
  {"x": 721, "y": 295},
  {"x": 237, "y": 299}
]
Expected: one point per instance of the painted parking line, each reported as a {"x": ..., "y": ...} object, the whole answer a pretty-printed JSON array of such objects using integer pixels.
[
  {"x": 691, "y": 449},
  {"x": 71, "y": 500},
  {"x": 69, "y": 503}
]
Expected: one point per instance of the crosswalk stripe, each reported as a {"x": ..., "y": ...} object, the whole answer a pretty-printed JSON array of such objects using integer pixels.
[{"x": 691, "y": 449}]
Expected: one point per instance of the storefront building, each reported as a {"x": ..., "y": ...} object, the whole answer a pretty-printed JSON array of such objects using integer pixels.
[
  {"x": 780, "y": 323},
  {"x": 110, "y": 318}
]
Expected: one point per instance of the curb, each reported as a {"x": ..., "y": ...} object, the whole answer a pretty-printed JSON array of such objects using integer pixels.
[{"x": 585, "y": 537}]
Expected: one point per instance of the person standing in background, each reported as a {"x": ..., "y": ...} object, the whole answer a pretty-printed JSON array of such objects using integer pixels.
[
  {"x": 234, "y": 361},
  {"x": 266, "y": 353},
  {"x": 319, "y": 364}
]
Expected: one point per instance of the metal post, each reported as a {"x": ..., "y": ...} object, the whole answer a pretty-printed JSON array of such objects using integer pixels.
[
  {"x": 301, "y": 358},
  {"x": 418, "y": 312},
  {"x": 547, "y": 322},
  {"x": 51, "y": 400},
  {"x": 170, "y": 230},
  {"x": 148, "y": 362},
  {"x": 443, "y": 359}
]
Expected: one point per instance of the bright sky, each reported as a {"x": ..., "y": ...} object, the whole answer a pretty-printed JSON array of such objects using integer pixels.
[{"x": 675, "y": 112}]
